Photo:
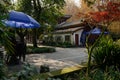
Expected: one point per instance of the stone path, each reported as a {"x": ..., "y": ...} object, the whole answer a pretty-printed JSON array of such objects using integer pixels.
[{"x": 63, "y": 57}]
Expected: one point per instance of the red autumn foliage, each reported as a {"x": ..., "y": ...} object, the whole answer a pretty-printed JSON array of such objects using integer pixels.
[
  {"x": 111, "y": 12},
  {"x": 99, "y": 16}
]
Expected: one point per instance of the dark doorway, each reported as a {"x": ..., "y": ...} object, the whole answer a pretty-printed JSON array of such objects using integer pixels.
[{"x": 76, "y": 39}]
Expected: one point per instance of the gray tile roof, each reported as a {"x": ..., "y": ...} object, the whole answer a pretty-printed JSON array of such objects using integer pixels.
[
  {"x": 69, "y": 30},
  {"x": 68, "y": 24}
]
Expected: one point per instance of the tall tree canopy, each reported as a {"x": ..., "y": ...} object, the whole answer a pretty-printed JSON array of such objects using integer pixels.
[
  {"x": 99, "y": 2},
  {"x": 44, "y": 11},
  {"x": 110, "y": 12}
]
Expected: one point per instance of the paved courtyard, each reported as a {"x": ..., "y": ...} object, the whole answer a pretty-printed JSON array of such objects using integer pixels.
[{"x": 63, "y": 57}]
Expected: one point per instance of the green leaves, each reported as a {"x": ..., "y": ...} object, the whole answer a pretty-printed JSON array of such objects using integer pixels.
[
  {"x": 107, "y": 53},
  {"x": 24, "y": 6},
  {"x": 50, "y": 15},
  {"x": 5, "y": 41},
  {"x": 44, "y": 11}
]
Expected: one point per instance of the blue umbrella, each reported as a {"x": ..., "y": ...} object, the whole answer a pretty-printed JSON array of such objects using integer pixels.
[
  {"x": 96, "y": 31},
  {"x": 20, "y": 20}
]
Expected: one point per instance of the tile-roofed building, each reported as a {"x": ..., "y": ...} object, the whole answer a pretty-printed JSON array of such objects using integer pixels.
[{"x": 69, "y": 32}]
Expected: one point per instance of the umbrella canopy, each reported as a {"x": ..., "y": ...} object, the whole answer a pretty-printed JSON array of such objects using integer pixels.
[
  {"x": 96, "y": 31},
  {"x": 20, "y": 20}
]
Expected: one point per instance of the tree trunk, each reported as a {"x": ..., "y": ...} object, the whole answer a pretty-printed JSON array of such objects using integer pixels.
[
  {"x": 37, "y": 12},
  {"x": 34, "y": 38}
]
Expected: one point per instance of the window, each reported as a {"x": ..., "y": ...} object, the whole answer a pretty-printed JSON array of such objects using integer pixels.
[
  {"x": 67, "y": 38},
  {"x": 58, "y": 38}
]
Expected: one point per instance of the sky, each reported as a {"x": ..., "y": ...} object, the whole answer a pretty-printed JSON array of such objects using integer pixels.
[{"x": 77, "y": 2}]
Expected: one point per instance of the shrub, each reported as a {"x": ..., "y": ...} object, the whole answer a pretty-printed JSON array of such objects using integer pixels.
[
  {"x": 60, "y": 44},
  {"x": 107, "y": 53},
  {"x": 26, "y": 73},
  {"x": 3, "y": 70},
  {"x": 67, "y": 45},
  {"x": 40, "y": 50},
  {"x": 95, "y": 74},
  {"x": 44, "y": 68},
  {"x": 118, "y": 42},
  {"x": 109, "y": 74},
  {"x": 29, "y": 72}
]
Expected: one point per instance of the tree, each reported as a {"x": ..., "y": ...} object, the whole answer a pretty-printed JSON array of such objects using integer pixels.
[
  {"x": 111, "y": 12},
  {"x": 107, "y": 14},
  {"x": 99, "y": 2},
  {"x": 44, "y": 11},
  {"x": 4, "y": 38}
]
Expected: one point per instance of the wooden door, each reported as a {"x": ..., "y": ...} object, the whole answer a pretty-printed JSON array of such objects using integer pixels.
[{"x": 76, "y": 39}]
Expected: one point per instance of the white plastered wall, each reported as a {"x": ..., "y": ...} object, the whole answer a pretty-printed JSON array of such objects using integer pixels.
[
  {"x": 62, "y": 35},
  {"x": 79, "y": 33},
  {"x": 72, "y": 36}
]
